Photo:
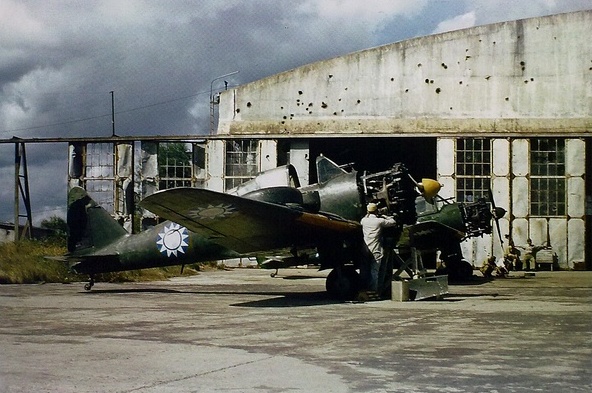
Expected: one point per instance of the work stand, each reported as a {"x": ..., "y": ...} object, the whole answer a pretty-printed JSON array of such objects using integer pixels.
[{"x": 418, "y": 285}]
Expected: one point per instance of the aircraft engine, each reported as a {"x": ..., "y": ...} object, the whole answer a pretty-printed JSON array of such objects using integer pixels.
[
  {"x": 477, "y": 217},
  {"x": 395, "y": 192}
]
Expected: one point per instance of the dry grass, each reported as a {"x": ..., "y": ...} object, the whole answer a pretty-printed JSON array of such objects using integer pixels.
[{"x": 24, "y": 262}]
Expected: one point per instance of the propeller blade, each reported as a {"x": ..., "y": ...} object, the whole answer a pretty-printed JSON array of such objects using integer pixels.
[{"x": 498, "y": 212}]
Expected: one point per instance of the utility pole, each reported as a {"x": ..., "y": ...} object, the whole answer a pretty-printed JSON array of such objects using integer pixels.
[{"x": 112, "y": 112}]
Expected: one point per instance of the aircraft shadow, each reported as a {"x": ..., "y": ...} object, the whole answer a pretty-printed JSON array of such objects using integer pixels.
[
  {"x": 294, "y": 299},
  {"x": 278, "y": 299},
  {"x": 298, "y": 277},
  {"x": 475, "y": 280},
  {"x": 129, "y": 290},
  {"x": 459, "y": 297}
]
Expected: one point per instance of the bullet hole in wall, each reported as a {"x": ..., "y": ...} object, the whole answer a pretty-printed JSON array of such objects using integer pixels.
[
  {"x": 249, "y": 104},
  {"x": 438, "y": 90},
  {"x": 324, "y": 105}
]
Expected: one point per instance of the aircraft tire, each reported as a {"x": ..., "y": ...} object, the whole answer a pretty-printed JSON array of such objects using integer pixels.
[
  {"x": 343, "y": 286},
  {"x": 458, "y": 271}
]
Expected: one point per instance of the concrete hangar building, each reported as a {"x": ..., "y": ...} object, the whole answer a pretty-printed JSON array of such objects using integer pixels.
[{"x": 506, "y": 106}]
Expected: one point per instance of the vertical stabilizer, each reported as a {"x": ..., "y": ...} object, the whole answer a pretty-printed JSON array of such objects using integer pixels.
[
  {"x": 327, "y": 169},
  {"x": 89, "y": 225}
]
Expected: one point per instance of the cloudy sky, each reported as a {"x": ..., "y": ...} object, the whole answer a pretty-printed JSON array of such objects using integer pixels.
[{"x": 59, "y": 61}]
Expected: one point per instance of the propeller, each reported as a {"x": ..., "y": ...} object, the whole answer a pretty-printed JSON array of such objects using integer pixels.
[
  {"x": 497, "y": 212},
  {"x": 428, "y": 188}
]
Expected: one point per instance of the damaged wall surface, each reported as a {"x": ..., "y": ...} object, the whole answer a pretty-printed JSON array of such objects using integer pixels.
[{"x": 524, "y": 76}]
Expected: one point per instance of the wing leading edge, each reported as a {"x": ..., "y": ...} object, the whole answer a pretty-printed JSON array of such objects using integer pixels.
[{"x": 241, "y": 224}]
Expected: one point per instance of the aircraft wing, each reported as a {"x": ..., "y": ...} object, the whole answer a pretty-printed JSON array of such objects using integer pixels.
[{"x": 241, "y": 224}]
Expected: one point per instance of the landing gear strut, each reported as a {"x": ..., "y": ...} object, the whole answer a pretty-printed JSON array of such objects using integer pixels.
[{"x": 88, "y": 286}]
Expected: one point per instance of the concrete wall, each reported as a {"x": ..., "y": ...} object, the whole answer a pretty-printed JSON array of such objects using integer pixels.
[
  {"x": 524, "y": 76},
  {"x": 508, "y": 81}
]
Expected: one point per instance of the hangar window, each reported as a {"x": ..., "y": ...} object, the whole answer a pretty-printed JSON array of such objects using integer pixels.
[
  {"x": 547, "y": 177},
  {"x": 473, "y": 169},
  {"x": 241, "y": 161},
  {"x": 99, "y": 173},
  {"x": 181, "y": 164}
]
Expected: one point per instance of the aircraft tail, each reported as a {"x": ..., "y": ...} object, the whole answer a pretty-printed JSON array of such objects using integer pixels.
[{"x": 89, "y": 225}]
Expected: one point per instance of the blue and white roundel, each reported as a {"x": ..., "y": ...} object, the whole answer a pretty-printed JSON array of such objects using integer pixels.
[{"x": 172, "y": 240}]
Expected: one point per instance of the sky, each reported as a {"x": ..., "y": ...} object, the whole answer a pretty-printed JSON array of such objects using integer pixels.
[{"x": 60, "y": 61}]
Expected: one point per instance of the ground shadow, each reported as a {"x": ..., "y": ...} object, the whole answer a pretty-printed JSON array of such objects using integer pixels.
[
  {"x": 277, "y": 299},
  {"x": 293, "y": 299}
]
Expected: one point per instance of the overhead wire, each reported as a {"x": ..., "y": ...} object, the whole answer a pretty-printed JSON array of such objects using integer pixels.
[{"x": 105, "y": 115}]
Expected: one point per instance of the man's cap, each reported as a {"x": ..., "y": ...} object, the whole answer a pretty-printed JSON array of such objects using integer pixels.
[{"x": 372, "y": 207}]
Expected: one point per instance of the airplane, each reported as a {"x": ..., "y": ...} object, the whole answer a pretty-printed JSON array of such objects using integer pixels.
[
  {"x": 443, "y": 224},
  {"x": 270, "y": 217}
]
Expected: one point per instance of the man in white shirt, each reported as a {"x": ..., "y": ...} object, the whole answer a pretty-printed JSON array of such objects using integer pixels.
[{"x": 372, "y": 226}]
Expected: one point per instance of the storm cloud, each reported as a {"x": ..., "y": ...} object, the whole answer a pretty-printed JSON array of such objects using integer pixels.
[{"x": 59, "y": 61}]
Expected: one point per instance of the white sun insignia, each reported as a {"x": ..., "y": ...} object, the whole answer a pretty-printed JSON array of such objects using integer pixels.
[
  {"x": 212, "y": 212},
  {"x": 172, "y": 240}
]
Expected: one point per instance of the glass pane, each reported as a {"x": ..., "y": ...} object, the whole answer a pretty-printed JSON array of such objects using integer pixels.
[
  {"x": 473, "y": 168},
  {"x": 547, "y": 182}
]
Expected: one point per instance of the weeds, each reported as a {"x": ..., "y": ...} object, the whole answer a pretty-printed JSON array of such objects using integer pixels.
[{"x": 26, "y": 262}]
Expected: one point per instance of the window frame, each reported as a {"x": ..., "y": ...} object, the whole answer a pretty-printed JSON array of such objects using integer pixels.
[
  {"x": 547, "y": 177},
  {"x": 241, "y": 161},
  {"x": 473, "y": 167}
]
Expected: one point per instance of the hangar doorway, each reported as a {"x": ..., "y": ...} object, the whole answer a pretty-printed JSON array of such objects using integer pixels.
[{"x": 374, "y": 154}]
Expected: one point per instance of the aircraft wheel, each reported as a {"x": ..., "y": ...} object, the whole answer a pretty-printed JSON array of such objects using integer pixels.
[
  {"x": 460, "y": 271},
  {"x": 88, "y": 286},
  {"x": 344, "y": 284}
]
